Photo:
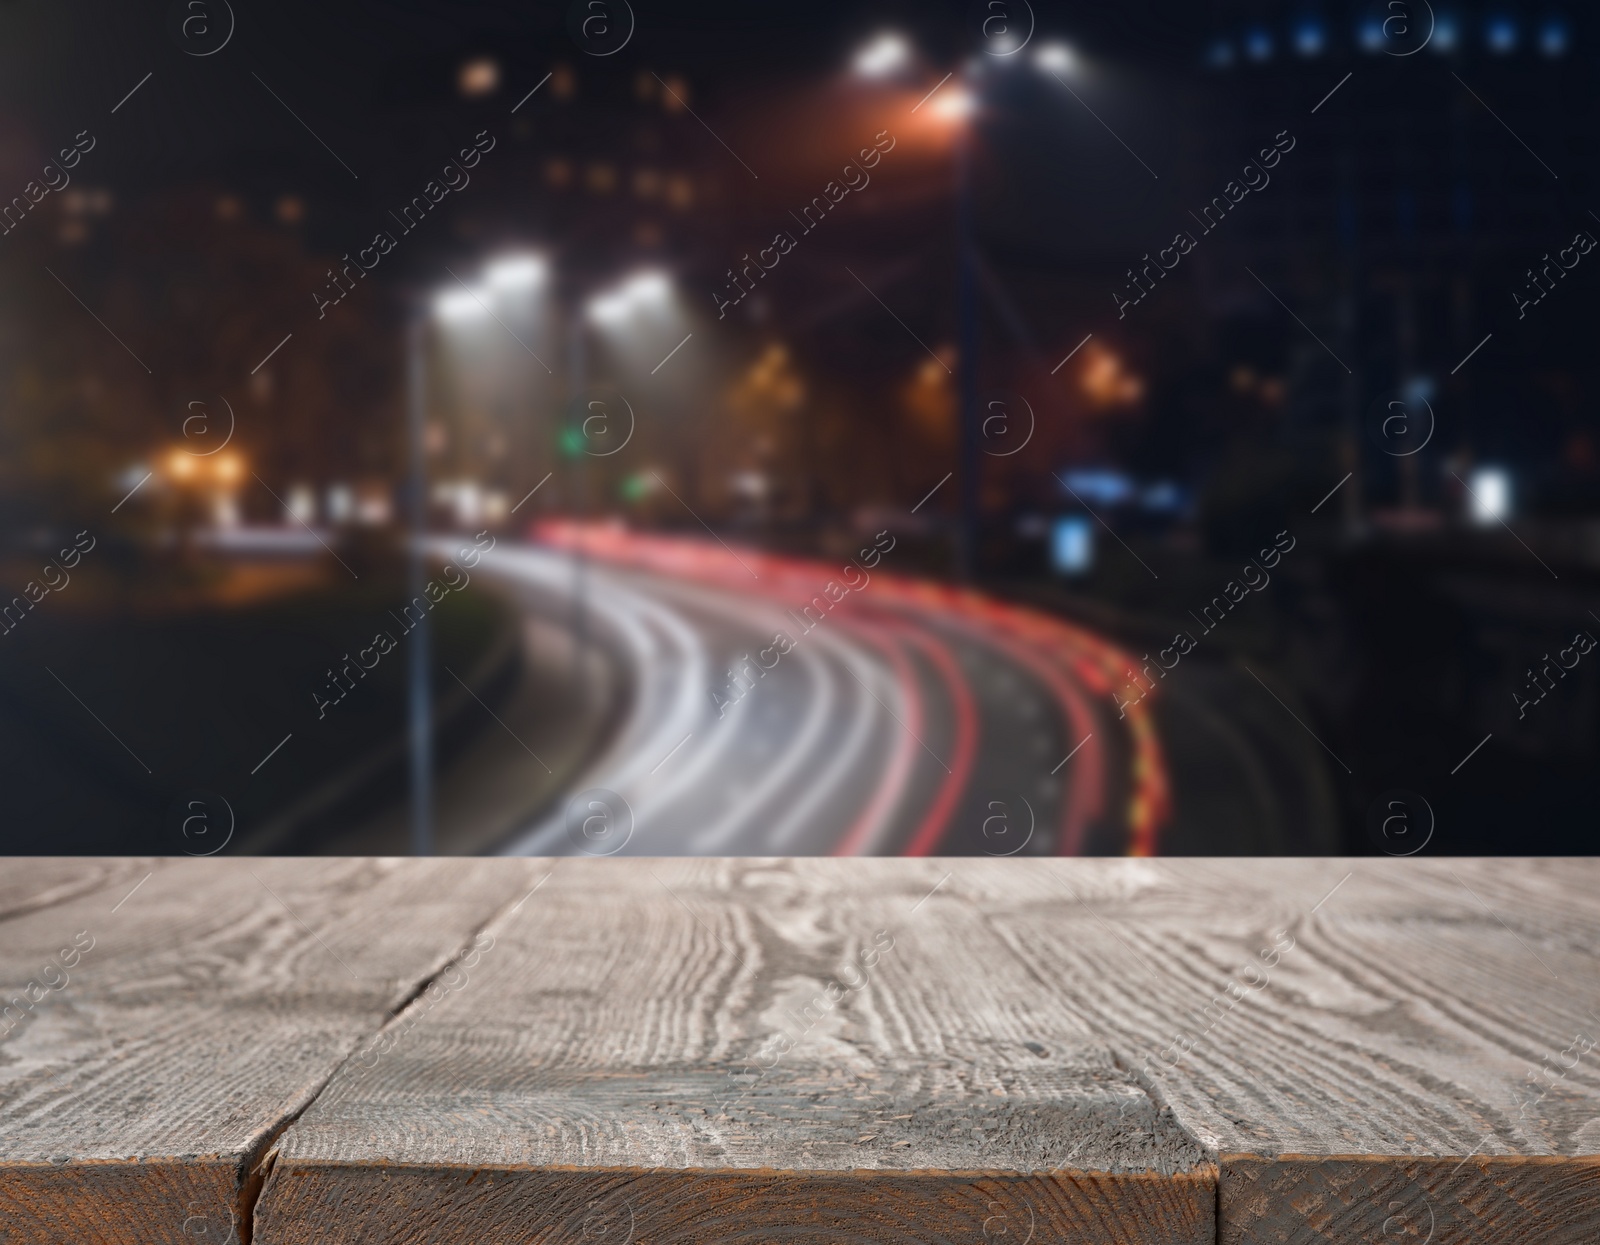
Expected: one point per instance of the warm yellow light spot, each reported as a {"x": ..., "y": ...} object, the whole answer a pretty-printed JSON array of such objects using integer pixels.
[
  {"x": 954, "y": 103},
  {"x": 478, "y": 77},
  {"x": 1106, "y": 381}
]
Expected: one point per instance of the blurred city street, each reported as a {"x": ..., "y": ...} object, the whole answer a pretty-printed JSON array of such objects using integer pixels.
[
  {"x": 758, "y": 717},
  {"x": 690, "y": 429}
]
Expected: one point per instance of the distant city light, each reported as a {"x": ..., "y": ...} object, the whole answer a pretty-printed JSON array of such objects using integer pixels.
[
  {"x": 883, "y": 56},
  {"x": 1554, "y": 36},
  {"x": 465, "y": 497},
  {"x": 1490, "y": 489},
  {"x": 609, "y": 309},
  {"x": 1418, "y": 389},
  {"x": 133, "y": 476},
  {"x": 1370, "y": 35},
  {"x": 954, "y": 103},
  {"x": 1102, "y": 485},
  {"x": 1220, "y": 55},
  {"x": 1446, "y": 34},
  {"x": 1071, "y": 545},
  {"x": 1501, "y": 35},
  {"x": 1104, "y": 378},
  {"x": 752, "y": 485},
  {"x": 469, "y": 502},
  {"x": 645, "y": 289},
  {"x": 1258, "y": 44},
  {"x": 190, "y": 468},
  {"x": 640, "y": 485},
  {"x": 341, "y": 503},
  {"x": 374, "y": 509},
  {"x": 1309, "y": 38},
  {"x": 1055, "y": 58},
  {"x": 302, "y": 504},
  {"x": 1163, "y": 496},
  {"x": 480, "y": 76},
  {"x": 455, "y": 306},
  {"x": 516, "y": 272}
]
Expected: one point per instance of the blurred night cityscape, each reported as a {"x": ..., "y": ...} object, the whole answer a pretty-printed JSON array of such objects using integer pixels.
[{"x": 663, "y": 428}]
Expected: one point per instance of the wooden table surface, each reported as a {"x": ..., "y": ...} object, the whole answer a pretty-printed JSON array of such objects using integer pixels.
[{"x": 980, "y": 1051}]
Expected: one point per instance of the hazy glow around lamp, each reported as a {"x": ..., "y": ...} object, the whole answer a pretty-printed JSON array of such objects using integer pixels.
[
  {"x": 516, "y": 272},
  {"x": 640, "y": 291},
  {"x": 647, "y": 287},
  {"x": 881, "y": 57},
  {"x": 953, "y": 104},
  {"x": 457, "y": 305},
  {"x": 1054, "y": 58},
  {"x": 1490, "y": 489},
  {"x": 608, "y": 309}
]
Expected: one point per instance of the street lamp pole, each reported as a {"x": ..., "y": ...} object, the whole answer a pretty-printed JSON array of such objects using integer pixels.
[
  {"x": 420, "y": 697},
  {"x": 967, "y": 328},
  {"x": 883, "y": 56},
  {"x": 578, "y": 380}
]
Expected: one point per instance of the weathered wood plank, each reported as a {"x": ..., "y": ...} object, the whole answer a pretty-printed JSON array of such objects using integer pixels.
[
  {"x": 159, "y": 1039},
  {"x": 28, "y": 884},
  {"x": 1406, "y": 1051},
  {"x": 688, "y": 1051},
  {"x": 873, "y": 1050},
  {"x": 438, "y": 1203}
]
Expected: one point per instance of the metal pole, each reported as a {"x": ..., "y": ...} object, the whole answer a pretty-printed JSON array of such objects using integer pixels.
[
  {"x": 577, "y": 379},
  {"x": 967, "y": 317},
  {"x": 420, "y": 697}
]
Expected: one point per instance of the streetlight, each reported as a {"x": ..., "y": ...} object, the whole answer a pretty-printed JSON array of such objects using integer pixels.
[
  {"x": 459, "y": 305},
  {"x": 1490, "y": 490},
  {"x": 516, "y": 273},
  {"x": 883, "y": 56},
  {"x": 645, "y": 294},
  {"x": 959, "y": 104},
  {"x": 956, "y": 104},
  {"x": 640, "y": 294},
  {"x": 1055, "y": 58}
]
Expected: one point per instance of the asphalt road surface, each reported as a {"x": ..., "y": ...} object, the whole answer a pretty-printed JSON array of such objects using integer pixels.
[{"x": 781, "y": 706}]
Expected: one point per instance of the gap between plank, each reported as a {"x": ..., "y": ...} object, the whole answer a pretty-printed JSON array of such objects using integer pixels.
[{"x": 263, "y": 1156}]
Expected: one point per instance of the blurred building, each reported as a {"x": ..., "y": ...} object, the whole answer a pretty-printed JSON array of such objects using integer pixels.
[{"x": 1445, "y": 164}]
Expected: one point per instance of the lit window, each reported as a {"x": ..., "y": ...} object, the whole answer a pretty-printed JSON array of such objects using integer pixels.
[{"x": 480, "y": 76}]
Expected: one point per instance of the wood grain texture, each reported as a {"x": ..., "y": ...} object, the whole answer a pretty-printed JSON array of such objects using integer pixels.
[
  {"x": 1313, "y": 1199},
  {"x": 977, "y": 1051},
  {"x": 1415, "y": 1055},
  {"x": 612, "y": 1206},
  {"x": 747, "y": 1049},
  {"x": 153, "y": 1049},
  {"x": 28, "y": 884}
]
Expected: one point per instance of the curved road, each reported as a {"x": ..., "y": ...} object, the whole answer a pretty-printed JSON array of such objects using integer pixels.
[{"x": 784, "y": 706}]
